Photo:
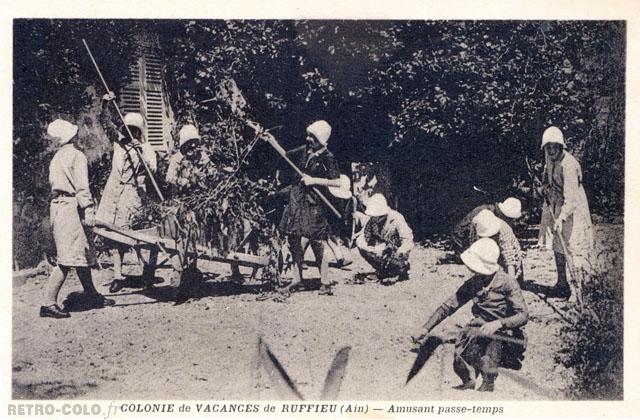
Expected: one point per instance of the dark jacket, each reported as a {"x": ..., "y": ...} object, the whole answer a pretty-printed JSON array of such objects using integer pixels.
[
  {"x": 305, "y": 214},
  {"x": 464, "y": 232}
]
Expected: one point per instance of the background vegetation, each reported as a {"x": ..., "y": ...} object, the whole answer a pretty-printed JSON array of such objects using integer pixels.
[{"x": 441, "y": 106}]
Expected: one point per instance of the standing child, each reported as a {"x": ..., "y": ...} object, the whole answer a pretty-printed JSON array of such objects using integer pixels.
[
  {"x": 305, "y": 219},
  {"x": 71, "y": 212},
  {"x": 122, "y": 196},
  {"x": 565, "y": 214}
]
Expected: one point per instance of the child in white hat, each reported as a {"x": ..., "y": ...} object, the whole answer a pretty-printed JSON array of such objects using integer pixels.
[
  {"x": 463, "y": 233},
  {"x": 305, "y": 219},
  {"x": 498, "y": 309},
  {"x": 386, "y": 241},
  {"x": 189, "y": 140},
  {"x": 122, "y": 196},
  {"x": 488, "y": 225},
  {"x": 565, "y": 214},
  {"x": 71, "y": 212}
]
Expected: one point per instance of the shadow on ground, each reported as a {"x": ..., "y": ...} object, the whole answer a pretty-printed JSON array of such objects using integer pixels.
[{"x": 50, "y": 390}]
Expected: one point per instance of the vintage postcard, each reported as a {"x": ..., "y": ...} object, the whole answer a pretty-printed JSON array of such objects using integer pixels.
[{"x": 318, "y": 211}]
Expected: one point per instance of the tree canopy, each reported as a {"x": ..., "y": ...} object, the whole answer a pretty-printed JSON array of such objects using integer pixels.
[{"x": 444, "y": 104}]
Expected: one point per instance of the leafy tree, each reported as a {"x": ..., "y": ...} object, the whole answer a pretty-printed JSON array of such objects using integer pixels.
[
  {"x": 486, "y": 90},
  {"x": 445, "y": 105},
  {"x": 54, "y": 78}
]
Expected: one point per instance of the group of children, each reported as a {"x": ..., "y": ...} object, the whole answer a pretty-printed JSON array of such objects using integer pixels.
[
  {"x": 487, "y": 246},
  {"x": 73, "y": 210},
  {"x": 384, "y": 238},
  {"x": 484, "y": 240}
]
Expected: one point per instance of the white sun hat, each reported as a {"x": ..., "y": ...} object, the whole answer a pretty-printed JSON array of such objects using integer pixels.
[
  {"x": 552, "y": 135},
  {"x": 187, "y": 133},
  {"x": 62, "y": 130},
  {"x": 511, "y": 207},
  {"x": 487, "y": 224},
  {"x": 482, "y": 256},
  {"x": 134, "y": 119},
  {"x": 321, "y": 130},
  {"x": 377, "y": 206}
]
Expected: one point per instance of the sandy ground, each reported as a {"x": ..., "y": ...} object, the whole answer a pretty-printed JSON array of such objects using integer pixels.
[{"x": 146, "y": 347}]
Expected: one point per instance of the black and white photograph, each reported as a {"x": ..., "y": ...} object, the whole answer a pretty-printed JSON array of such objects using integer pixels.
[{"x": 334, "y": 210}]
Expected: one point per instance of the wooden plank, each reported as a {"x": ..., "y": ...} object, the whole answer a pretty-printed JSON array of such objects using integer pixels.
[
  {"x": 255, "y": 260},
  {"x": 148, "y": 238},
  {"x": 240, "y": 262},
  {"x": 140, "y": 238},
  {"x": 30, "y": 272},
  {"x": 239, "y": 258},
  {"x": 115, "y": 236}
]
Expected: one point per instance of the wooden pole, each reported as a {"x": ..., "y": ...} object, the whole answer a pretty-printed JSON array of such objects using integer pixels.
[
  {"x": 563, "y": 244},
  {"x": 144, "y": 164},
  {"x": 272, "y": 141},
  {"x": 478, "y": 333}
]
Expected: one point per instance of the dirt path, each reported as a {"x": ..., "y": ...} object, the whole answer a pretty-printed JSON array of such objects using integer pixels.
[{"x": 147, "y": 348}]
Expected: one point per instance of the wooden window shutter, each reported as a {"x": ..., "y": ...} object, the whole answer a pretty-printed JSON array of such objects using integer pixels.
[{"x": 145, "y": 94}]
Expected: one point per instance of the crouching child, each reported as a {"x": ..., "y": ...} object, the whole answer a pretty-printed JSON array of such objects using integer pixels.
[
  {"x": 386, "y": 241},
  {"x": 499, "y": 310},
  {"x": 487, "y": 225}
]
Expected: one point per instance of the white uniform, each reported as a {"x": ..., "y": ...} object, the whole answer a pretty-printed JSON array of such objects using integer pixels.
[
  {"x": 121, "y": 198},
  {"x": 68, "y": 176},
  {"x": 568, "y": 201}
]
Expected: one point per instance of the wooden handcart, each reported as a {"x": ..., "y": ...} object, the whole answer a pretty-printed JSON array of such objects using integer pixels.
[{"x": 181, "y": 257}]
